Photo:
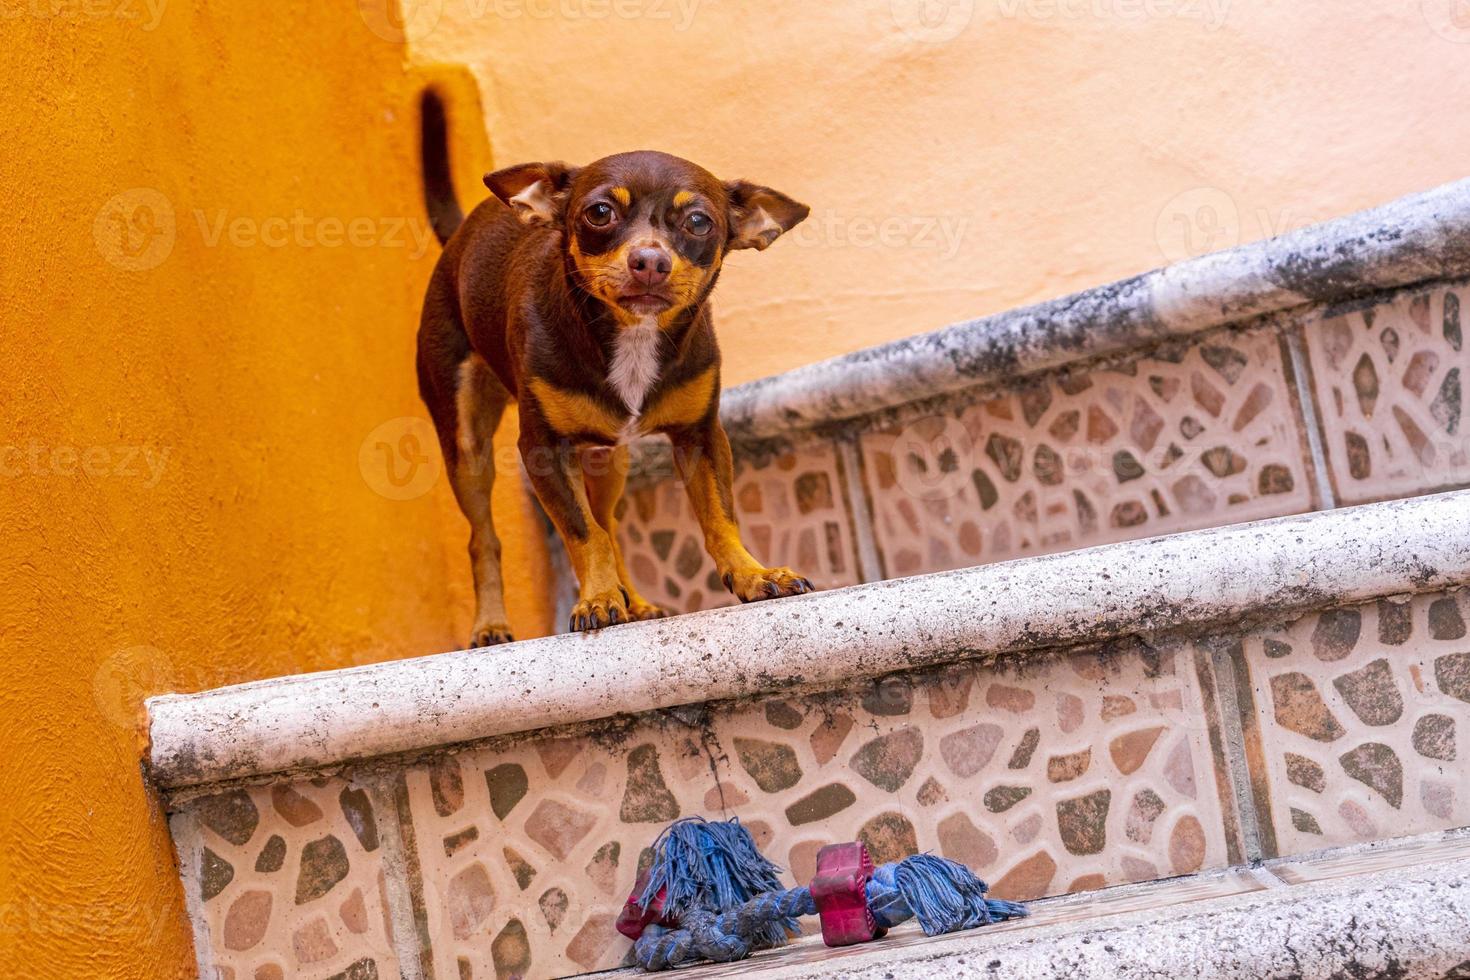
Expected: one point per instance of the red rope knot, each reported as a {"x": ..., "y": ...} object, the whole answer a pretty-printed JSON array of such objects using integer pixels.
[{"x": 634, "y": 918}]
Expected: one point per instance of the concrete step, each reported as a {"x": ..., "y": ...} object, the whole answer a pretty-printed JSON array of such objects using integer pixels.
[
  {"x": 1063, "y": 724},
  {"x": 1392, "y": 909},
  {"x": 1052, "y": 648},
  {"x": 1321, "y": 368}
]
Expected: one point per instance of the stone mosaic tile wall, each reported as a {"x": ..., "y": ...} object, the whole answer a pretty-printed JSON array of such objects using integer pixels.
[
  {"x": 792, "y": 512},
  {"x": 1058, "y": 778},
  {"x": 1200, "y": 436},
  {"x": 1084, "y": 771},
  {"x": 290, "y": 880},
  {"x": 1057, "y": 774},
  {"x": 1389, "y": 378},
  {"x": 1362, "y": 716}
]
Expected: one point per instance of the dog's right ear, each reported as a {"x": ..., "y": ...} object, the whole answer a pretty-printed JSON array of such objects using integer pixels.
[{"x": 536, "y": 192}]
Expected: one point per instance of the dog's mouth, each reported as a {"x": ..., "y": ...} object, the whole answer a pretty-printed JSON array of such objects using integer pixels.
[{"x": 644, "y": 303}]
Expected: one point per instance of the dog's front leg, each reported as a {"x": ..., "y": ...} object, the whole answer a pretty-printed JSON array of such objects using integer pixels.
[
  {"x": 702, "y": 456},
  {"x": 556, "y": 476}
]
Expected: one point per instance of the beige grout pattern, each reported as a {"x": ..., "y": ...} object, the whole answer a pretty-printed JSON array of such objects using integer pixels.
[
  {"x": 1363, "y": 716},
  {"x": 1061, "y": 775},
  {"x": 1175, "y": 442},
  {"x": 792, "y": 511},
  {"x": 291, "y": 883},
  {"x": 1066, "y": 773},
  {"x": 1186, "y": 438},
  {"x": 1389, "y": 380},
  {"x": 1082, "y": 772}
]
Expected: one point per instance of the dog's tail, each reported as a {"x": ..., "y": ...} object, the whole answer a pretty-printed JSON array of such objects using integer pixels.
[{"x": 445, "y": 214}]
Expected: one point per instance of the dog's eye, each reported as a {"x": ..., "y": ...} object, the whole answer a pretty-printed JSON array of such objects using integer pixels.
[
  {"x": 698, "y": 223},
  {"x": 599, "y": 215}
]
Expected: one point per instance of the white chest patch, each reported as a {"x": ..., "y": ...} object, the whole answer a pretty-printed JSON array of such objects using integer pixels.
[{"x": 635, "y": 364}]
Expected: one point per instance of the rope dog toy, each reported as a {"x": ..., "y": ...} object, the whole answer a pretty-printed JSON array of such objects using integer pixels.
[{"x": 710, "y": 894}]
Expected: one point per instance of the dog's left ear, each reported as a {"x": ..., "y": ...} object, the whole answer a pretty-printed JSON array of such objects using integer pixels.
[
  {"x": 759, "y": 215},
  {"x": 536, "y": 192}
]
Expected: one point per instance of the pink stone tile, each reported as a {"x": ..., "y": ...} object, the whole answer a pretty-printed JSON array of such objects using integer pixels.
[
  {"x": 291, "y": 880},
  {"x": 1388, "y": 380},
  {"x": 547, "y": 867},
  {"x": 1164, "y": 445}
]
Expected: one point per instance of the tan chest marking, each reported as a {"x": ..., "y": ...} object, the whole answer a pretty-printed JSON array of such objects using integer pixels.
[
  {"x": 571, "y": 412},
  {"x": 683, "y": 405}
]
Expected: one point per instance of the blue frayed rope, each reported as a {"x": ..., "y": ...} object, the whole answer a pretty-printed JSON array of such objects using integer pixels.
[
  {"x": 703, "y": 865},
  {"x": 696, "y": 861}
]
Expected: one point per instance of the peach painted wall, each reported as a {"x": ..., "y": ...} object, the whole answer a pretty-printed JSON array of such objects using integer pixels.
[
  {"x": 214, "y": 252},
  {"x": 998, "y": 153}
]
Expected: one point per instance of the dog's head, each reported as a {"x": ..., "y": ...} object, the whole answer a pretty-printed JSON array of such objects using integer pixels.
[{"x": 647, "y": 231}]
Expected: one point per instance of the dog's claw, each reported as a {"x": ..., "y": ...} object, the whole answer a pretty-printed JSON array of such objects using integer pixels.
[
  {"x": 640, "y": 610},
  {"x": 767, "y": 583},
  {"x": 490, "y": 636},
  {"x": 603, "y": 609}
]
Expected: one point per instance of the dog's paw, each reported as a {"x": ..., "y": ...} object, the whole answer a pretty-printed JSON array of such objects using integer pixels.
[
  {"x": 641, "y": 610},
  {"x": 603, "y": 609},
  {"x": 490, "y": 636},
  {"x": 766, "y": 583}
]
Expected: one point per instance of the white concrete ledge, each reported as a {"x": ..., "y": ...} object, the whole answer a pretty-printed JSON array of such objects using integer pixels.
[
  {"x": 1415, "y": 239},
  {"x": 821, "y": 640},
  {"x": 1407, "y": 921}
]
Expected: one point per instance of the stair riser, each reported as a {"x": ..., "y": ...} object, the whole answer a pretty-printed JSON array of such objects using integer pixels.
[
  {"x": 1140, "y": 710},
  {"x": 1083, "y": 768},
  {"x": 814, "y": 643},
  {"x": 1304, "y": 411}
]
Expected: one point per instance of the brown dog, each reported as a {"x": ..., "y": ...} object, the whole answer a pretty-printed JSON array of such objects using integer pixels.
[{"x": 583, "y": 293}]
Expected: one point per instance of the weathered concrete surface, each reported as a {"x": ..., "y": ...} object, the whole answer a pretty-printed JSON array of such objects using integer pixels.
[
  {"x": 1213, "y": 576},
  {"x": 1394, "y": 925},
  {"x": 1415, "y": 239}
]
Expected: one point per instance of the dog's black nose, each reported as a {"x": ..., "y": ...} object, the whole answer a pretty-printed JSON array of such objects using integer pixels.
[{"x": 650, "y": 266}]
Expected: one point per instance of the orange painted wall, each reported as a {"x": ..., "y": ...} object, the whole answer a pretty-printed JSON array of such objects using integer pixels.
[
  {"x": 182, "y": 503},
  {"x": 1001, "y": 153}
]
